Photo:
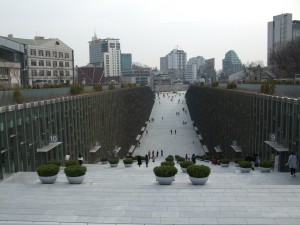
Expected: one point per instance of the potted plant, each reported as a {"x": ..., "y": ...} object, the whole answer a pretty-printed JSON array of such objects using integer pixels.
[
  {"x": 48, "y": 173},
  {"x": 198, "y": 174},
  {"x": 167, "y": 163},
  {"x": 134, "y": 158},
  {"x": 71, "y": 163},
  {"x": 237, "y": 161},
  {"x": 184, "y": 165},
  {"x": 206, "y": 158},
  {"x": 169, "y": 158},
  {"x": 224, "y": 162},
  {"x": 55, "y": 162},
  {"x": 104, "y": 160},
  {"x": 113, "y": 162},
  {"x": 265, "y": 166},
  {"x": 180, "y": 159},
  {"x": 75, "y": 174},
  {"x": 245, "y": 166},
  {"x": 128, "y": 162},
  {"x": 165, "y": 174}
]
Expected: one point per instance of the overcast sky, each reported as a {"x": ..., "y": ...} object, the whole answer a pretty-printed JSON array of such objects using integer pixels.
[{"x": 150, "y": 29}]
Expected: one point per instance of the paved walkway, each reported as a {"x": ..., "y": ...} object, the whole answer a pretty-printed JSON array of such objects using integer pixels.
[{"x": 132, "y": 196}]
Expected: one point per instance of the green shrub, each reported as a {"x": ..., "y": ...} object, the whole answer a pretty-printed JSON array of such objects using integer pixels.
[
  {"x": 167, "y": 163},
  {"x": 238, "y": 160},
  {"x": 103, "y": 159},
  {"x": 127, "y": 161},
  {"x": 231, "y": 85},
  {"x": 75, "y": 171},
  {"x": 134, "y": 158},
  {"x": 176, "y": 157},
  {"x": 186, "y": 164},
  {"x": 165, "y": 171},
  {"x": 97, "y": 87},
  {"x": 17, "y": 97},
  {"x": 71, "y": 163},
  {"x": 48, "y": 170},
  {"x": 224, "y": 161},
  {"x": 114, "y": 160},
  {"x": 215, "y": 84},
  {"x": 245, "y": 164},
  {"x": 267, "y": 88},
  {"x": 77, "y": 89},
  {"x": 180, "y": 159},
  {"x": 111, "y": 86},
  {"x": 198, "y": 171},
  {"x": 206, "y": 157},
  {"x": 169, "y": 158},
  {"x": 54, "y": 162},
  {"x": 266, "y": 164}
]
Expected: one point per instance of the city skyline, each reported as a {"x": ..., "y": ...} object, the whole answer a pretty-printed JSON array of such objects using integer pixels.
[{"x": 151, "y": 29}]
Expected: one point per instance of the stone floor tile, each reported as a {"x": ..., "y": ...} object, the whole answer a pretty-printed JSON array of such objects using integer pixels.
[{"x": 203, "y": 221}]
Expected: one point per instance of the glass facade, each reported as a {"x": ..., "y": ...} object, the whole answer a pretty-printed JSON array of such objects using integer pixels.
[{"x": 231, "y": 63}]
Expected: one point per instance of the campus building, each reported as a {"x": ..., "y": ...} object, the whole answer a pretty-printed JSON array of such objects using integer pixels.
[{"x": 231, "y": 63}]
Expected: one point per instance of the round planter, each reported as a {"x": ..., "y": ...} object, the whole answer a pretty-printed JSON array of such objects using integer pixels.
[
  {"x": 75, "y": 180},
  {"x": 113, "y": 165},
  {"x": 265, "y": 170},
  {"x": 245, "y": 170},
  {"x": 198, "y": 181},
  {"x": 183, "y": 170},
  {"x": 104, "y": 162},
  {"x": 128, "y": 165},
  {"x": 48, "y": 180},
  {"x": 224, "y": 165},
  {"x": 165, "y": 180}
]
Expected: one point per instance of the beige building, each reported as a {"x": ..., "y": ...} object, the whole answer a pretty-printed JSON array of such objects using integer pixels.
[{"x": 9, "y": 74}]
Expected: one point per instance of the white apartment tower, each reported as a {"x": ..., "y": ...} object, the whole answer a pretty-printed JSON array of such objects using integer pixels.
[
  {"x": 192, "y": 68},
  {"x": 176, "y": 59}
]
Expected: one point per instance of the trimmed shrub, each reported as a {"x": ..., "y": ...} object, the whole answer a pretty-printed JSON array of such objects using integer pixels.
[
  {"x": 245, "y": 164},
  {"x": 165, "y": 171},
  {"x": 54, "y": 162},
  {"x": 134, "y": 158},
  {"x": 198, "y": 171},
  {"x": 48, "y": 170},
  {"x": 75, "y": 171},
  {"x": 71, "y": 163},
  {"x": 206, "y": 157},
  {"x": 231, "y": 85},
  {"x": 114, "y": 160},
  {"x": 127, "y": 161},
  {"x": 265, "y": 164},
  {"x": 167, "y": 163},
  {"x": 238, "y": 160},
  {"x": 17, "y": 97},
  {"x": 111, "y": 86},
  {"x": 169, "y": 158},
  {"x": 97, "y": 87},
  {"x": 103, "y": 159},
  {"x": 224, "y": 161},
  {"x": 186, "y": 164},
  {"x": 77, "y": 89},
  {"x": 215, "y": 84}
]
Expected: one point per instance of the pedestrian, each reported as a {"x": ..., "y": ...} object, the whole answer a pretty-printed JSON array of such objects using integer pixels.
[
  {"x": 139, "y": 160},
  {"x": 186, "y": 157},
  {"x": 157, "y": 153},
  {"x": 149, "y": 154},
  {"x": 175, "y": 131},
  {"x": 80, "y": 159},
  {"x": 146, "y": 160},
  {"x": 194, "y": 158},
  {"x": 146, "y": 131},
  {"x": 139, "y": 143},
  {"x": 162, "y": 118},
  {"x": 171, "y": 131},
  {"x": 193, "y": 142},
  {"x": 67, "y": 157},
  {"x": 292, "y": 163},
  {"x": 153, "y": 154},
  {"x": 161, "y": 152}
]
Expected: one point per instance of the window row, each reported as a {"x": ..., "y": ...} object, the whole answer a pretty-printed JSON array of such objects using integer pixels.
[
  {"x": 4, "y": 70},
  {"x": 48, "y": 63},
  {"x": 50, "y": 73},
  {"x": 48, "y": 53}
]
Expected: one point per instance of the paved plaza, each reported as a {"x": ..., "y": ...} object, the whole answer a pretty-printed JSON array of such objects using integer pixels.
[{"x": 132, "y": 196}]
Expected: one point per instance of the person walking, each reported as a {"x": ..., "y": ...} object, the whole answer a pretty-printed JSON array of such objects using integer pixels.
[
  {"x": 292, "y": 163},
  {"x": 67, "y": 157},
  {"x": 149, "y": 154},
  {"x": 152, "y": 154},
  {"x": 161, "y": 152},
  {"x": 80, "y": 159},
  {"x": 146, "y": 160},
  {"x": 171, "y": 131},
  {"x": 175, "y": 131},
  {"x": 157, "y": 153},
  {"x": 194, "y": 158},
  {"x": 139, "y": 160}
]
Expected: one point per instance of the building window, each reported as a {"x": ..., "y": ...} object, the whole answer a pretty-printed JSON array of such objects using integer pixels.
[
  {"x": 67, "y": 64},
  {"x": 48, "y": 63},
  {"x": 67, "y": 73},
  {"x": 48, "y": 72},
  {"x": 41, "y": 62},
  {"x": 33, "y": 72},
  {"x": 61, "y": 64},
  {"x": 4, "y": 70},
  {"x": 61, "y": 73},
  {"x": 60, "y": 55},
  {"x": 48, "y": 53},
  {"x": 67, "y": 55},
  {"x": 54, "y": 63},
  {"x": 41, "y": 72},
  {"x": 32, "y": 52},
  {"x": 55, "y": 73},
  {"x": 112, "y": 45},
  {"x": 54, "y": 54},
  {"x": 33, "y": 62},
  {"x": 41, "y": 53}
]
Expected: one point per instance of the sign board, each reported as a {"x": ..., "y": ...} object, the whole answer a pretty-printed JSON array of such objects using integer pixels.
[
  {"x": 276, "y": 163},
  {"x": 53, "y": 138}
]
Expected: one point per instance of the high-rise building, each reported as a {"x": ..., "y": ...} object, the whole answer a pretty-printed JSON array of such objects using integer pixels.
[
  {"x": 280, "y": 31},
  {"x": 126, "y": 61},
  {"x": 231, "y": 63},
  {"x": 106, "y": 53},
  {"x": 176, "y": 59},
  {"x": 164, "y": 64},
  {"x": 192, "y": 68}
]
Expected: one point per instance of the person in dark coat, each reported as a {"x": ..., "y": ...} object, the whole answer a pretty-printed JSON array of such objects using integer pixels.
[
  {"x": 146, "y": 160},
  {"x": 139, "y": 160}
]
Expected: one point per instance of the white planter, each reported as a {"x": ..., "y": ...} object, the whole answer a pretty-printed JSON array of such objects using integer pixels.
[
  {"x": 48, "y": 180},
  {"x": 265, "y": 170},
  {"x": 198, "y": 181},
  {"x": 245, "y": 170},
  {"x": 184, "y": 170},
  {"x": 104, "y": 162},
  {"x": 224, "y": 165},
  {"x": 113, "y": 165},
  {"x": 206, "y": 160},
  {"x": 75, "y": 180},
  {"x": 237, "y": 165},
  {"x": 128, "y": 165},
  {"x": 165, "y": 180}
]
